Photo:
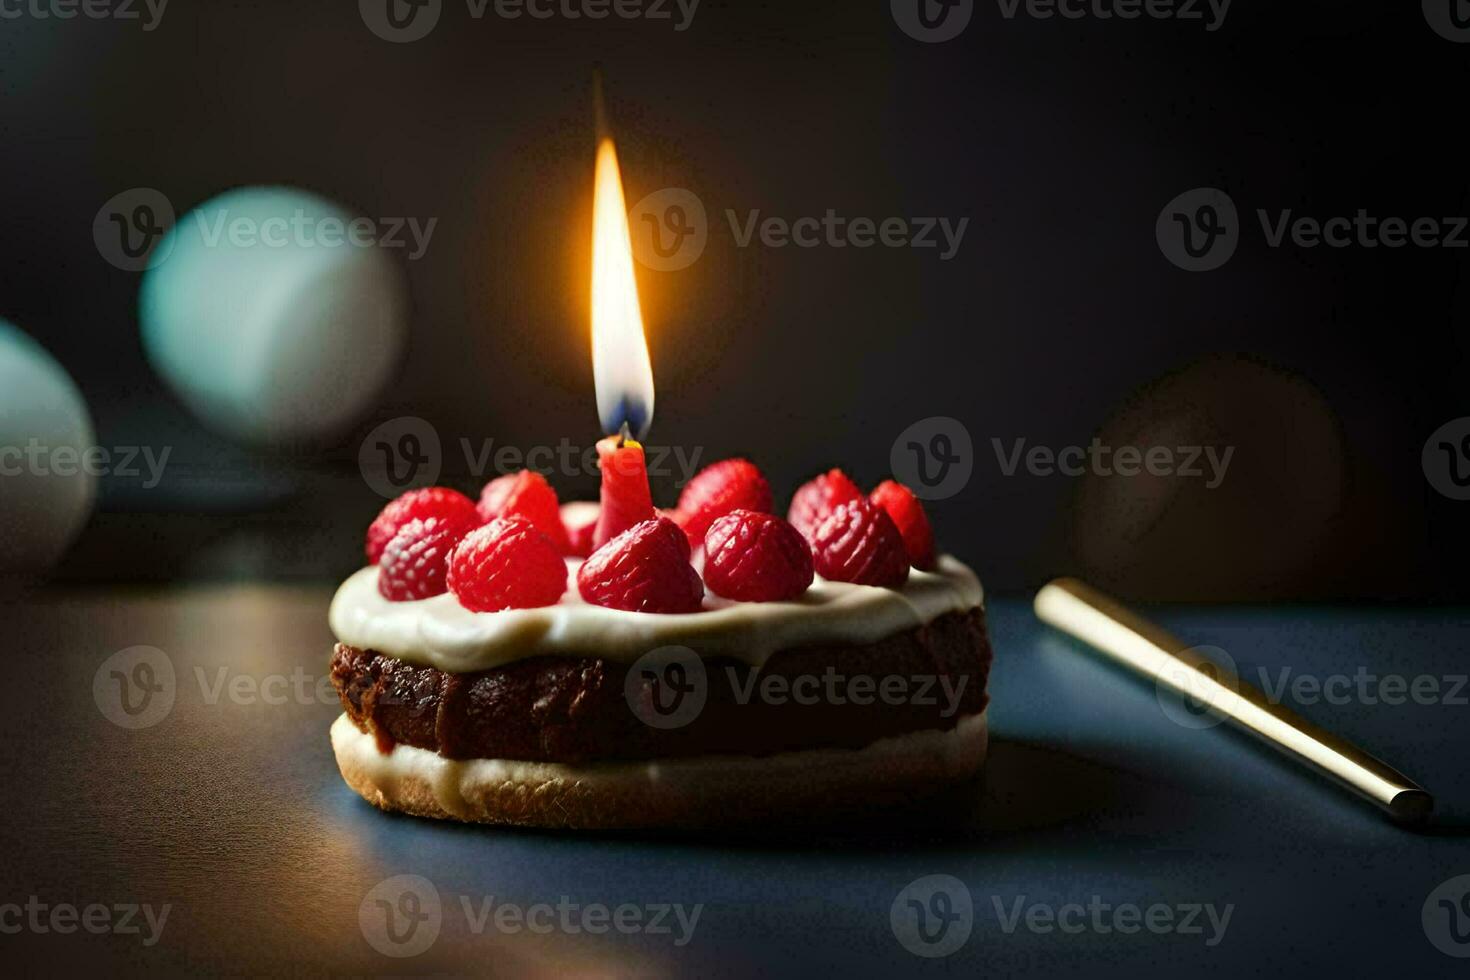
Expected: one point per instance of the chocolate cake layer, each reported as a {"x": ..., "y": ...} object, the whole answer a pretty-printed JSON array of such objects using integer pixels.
[{"x": 575, "y": 709}]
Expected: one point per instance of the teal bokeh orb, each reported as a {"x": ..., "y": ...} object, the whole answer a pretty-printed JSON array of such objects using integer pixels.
[
  {"x": 48, "y": 466},
  {"x": 275, "y": 315}
]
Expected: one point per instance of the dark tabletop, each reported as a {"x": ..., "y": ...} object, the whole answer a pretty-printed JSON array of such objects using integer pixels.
[{"x": 1108, "y": 838}]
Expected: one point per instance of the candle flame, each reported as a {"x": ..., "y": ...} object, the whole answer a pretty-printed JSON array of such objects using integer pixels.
[{"x": 620, "y": 364}]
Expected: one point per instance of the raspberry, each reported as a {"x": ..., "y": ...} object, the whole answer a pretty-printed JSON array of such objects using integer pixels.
[
  {"x": 493, "y": 494},
  {"x": 416, "y": 504},
  {"x": 908, "y": 516},
  {"x": 525, "y": 494},
  {"x": 415, "y": 560},
  {"x": 815, "y": 499},
  {"x": 644, "y": 569},
  {"x": 756, "y": 558},
  {"x": 731, "y": 484},
  {"x": 579, "y": 517},
  {"x": 859, "y": 543},
  {"x": 507, "y": 564}
]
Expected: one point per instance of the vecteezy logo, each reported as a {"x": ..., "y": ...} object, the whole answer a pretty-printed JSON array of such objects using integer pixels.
[
  {"x": 1446, "y": 459},
  {"x": 932, "y": 916},
  {"x": 400, "y": 21},
  {"x": 932, "y": 21},
  {"x": 669, "y": 229},
  {"x": 129, "y": 226},
  {"x": 1449, "y": 18},
  {"x": 667, "y": 688},
  {"x": 1191, "y": 696},
  {"x": 134, "y": 688},
  {"x": 1198, "y": 230},
  {"x": 401, "y": 916},
  {"x": 399, "y": 455},
  {"x": 1446, "y": 917},
  {"x": 934, "y": 457}
]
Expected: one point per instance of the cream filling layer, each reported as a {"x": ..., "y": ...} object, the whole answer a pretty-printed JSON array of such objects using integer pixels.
[
  {"x": 441, "y": 633},
  {"x": 457, "y": 783}
]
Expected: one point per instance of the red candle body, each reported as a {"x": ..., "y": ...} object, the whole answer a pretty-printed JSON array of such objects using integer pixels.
[{"x": 626, "y": 499}]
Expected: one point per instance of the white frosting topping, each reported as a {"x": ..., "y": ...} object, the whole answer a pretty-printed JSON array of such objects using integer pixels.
[{"x": 441, "y": 633}]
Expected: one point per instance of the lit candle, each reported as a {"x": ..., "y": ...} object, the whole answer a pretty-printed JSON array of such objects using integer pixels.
[
  {"x": 621, "y": 367},
  {"x": 625, "y": 496}
]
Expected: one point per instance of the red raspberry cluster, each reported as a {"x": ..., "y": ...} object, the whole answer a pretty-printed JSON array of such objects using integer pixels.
[{"x": 509, "y": 551}]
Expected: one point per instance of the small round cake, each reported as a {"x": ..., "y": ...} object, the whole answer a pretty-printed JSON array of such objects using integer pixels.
[{"x": 630, "y": 693}]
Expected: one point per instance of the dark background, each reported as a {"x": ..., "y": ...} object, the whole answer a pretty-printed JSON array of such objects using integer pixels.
[
  {"x": 1060, "y": 319},
  {"x": 1059, "y": 140}
]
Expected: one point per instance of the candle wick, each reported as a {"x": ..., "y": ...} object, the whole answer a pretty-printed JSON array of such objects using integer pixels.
[{"x": 624, "y": 435}]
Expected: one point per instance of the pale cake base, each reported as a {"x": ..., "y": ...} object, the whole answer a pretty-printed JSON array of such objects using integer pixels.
[{"x": 699, "y": 792}]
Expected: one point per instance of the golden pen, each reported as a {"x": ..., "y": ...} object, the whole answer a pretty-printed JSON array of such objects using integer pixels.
[{"x": 1092, "y": 617}]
